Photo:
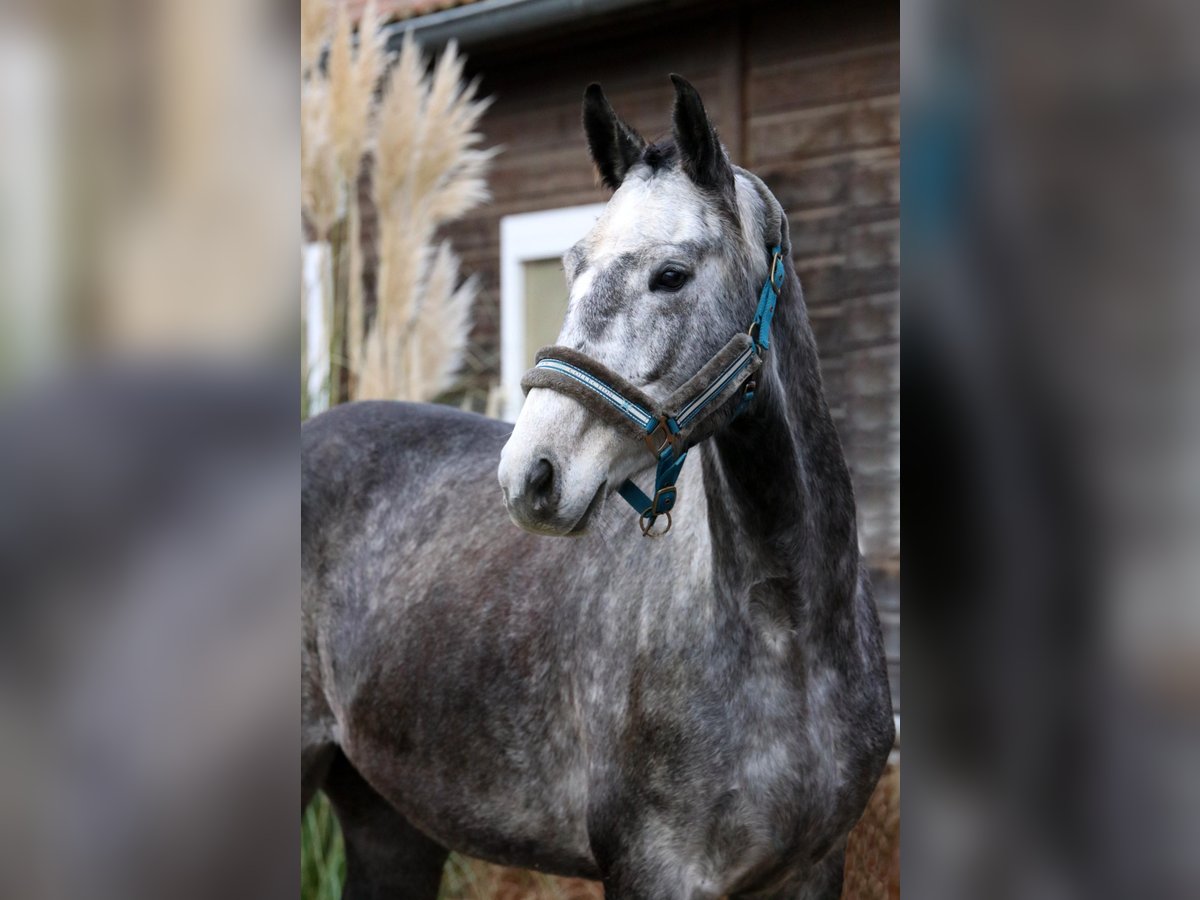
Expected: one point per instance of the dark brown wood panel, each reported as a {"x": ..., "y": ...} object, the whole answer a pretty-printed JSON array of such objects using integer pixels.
[{"x": 860, "y": 73}]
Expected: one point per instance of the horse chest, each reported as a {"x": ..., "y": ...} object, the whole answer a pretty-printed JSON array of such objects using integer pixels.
[{"x": 730, "y": 771}]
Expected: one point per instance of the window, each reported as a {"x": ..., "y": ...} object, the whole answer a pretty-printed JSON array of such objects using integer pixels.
[{"x": 533, "y": 289}]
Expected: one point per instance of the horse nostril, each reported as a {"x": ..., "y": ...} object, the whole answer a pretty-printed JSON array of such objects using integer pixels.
[{"x": 539, "y": 482}]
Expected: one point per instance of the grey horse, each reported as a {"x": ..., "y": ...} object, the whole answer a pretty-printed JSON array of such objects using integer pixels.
[{"x": 699, "y": 715}]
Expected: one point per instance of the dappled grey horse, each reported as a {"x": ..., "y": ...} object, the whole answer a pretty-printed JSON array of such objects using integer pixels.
[{"x": 697, "y": 714}]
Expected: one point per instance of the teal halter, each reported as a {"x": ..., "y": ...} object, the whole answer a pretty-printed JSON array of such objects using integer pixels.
[{"x": 672, "y": 430}]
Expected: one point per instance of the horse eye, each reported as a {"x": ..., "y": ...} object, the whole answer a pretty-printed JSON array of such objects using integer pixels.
[{"x": 670, "y": 279}]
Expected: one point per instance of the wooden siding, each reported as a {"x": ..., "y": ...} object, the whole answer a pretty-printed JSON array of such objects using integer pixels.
[{"x": 806, "y": 98}]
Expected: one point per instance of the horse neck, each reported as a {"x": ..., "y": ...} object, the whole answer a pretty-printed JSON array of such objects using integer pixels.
[{"x": 779, "y": 497}]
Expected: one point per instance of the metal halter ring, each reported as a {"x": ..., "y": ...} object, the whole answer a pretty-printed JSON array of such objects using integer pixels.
[
  {"x": 647, "y": 522},
  {"x": 774, "y": 265}
]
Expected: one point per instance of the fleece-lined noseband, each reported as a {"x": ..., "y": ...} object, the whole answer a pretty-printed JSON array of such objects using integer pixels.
[{"x": 685, "y": 419}]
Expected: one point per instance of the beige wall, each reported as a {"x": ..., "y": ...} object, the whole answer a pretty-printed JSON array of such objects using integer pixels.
[{"x": 545, "y": 304}]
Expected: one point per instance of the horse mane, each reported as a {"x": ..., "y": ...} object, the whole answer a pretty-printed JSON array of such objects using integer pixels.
[{"x": 661, "y": 155}]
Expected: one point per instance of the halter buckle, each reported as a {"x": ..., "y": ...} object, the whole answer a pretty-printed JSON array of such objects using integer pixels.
[
  {"x": 665, "y": 489},
  {"x": 669, "y": 438}
]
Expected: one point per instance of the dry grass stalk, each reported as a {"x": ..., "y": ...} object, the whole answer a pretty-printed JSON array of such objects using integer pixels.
[
  {"x": 352, "y": 86},
  {"x": 355, "y": 308},
  {"x": 437, "y": 335},
  {"x": 351, "y": 75},
  {"x": 314, "y": 28},
  {"x": 370, "y": 60},
  {"x": 429, "y": 170},
  {"x": 319, "y": 188},
  {"x": 399, "y": 140}
]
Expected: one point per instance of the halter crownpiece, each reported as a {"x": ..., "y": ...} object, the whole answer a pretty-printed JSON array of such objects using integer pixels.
[{"x": 685, "y": 419}]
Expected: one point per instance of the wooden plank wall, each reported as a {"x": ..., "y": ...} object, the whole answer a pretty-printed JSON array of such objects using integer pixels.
[
  {"x": 823, "y": 130},
  {"x": 809, "y": 100}
]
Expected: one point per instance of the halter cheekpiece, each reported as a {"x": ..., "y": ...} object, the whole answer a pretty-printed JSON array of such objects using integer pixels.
[{"x": 671, "y": 430}]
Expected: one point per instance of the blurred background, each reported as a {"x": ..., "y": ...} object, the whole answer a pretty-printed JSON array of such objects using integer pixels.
[
  {"x": 149, "y": 159},
  {"x": 149, "y": 553},
  {"x": 1052, "y": 628}
]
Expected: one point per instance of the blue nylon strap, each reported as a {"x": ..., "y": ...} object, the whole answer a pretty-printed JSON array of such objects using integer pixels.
[
  {"x": 665, "y": 494},
  {"x": 761, "y": 329},
  {"x": 744, "y": 403}
]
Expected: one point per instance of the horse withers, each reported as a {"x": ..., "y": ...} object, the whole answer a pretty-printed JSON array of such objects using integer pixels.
[{"x": 692, "y": 716}]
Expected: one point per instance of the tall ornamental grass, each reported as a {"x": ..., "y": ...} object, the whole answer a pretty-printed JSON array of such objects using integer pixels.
[{"x": 418, "y": 126}]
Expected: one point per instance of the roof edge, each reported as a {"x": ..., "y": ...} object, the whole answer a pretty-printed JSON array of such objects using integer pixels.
[{"x": 478, "y": 23}]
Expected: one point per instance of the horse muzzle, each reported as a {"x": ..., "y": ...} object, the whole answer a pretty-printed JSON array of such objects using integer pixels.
[{"x": 554, "y": 470}]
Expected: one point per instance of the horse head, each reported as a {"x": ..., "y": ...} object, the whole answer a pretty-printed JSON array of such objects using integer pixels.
[{"x": 668, "y": 273}]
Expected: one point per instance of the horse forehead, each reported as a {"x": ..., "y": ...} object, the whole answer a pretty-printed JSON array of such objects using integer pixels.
[{"x": 654, "y": 211}]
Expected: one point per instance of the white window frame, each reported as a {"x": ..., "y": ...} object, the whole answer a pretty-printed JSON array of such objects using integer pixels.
[{"x": 528, "y": 237}]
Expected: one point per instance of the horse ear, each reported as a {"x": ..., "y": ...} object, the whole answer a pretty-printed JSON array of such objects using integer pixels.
[
  {"x": 700, "y": 151},
  {"x": 614, "y": 145}
]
